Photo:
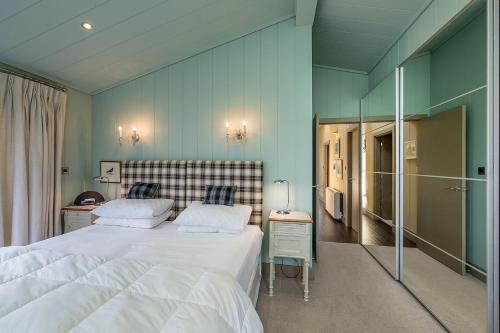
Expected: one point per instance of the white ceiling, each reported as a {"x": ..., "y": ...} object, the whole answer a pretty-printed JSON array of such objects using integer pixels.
[
  {"x": 355, "y": 34},
  {"x": 131, "y": 37}
]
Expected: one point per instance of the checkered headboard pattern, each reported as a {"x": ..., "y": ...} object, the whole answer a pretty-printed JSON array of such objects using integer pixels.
[
  {"x": 185, "y": 181},
  {"x": 246, "y": 175},
  {"x": 170, "y": 174}
]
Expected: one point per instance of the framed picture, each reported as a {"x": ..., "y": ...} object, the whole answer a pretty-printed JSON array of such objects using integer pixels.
[
  {"x": 339, "y": 168},
  {"x": 411, "y": 150},
  {"x": 336, "y": 148},
  {"x": 111, "y": 170}
]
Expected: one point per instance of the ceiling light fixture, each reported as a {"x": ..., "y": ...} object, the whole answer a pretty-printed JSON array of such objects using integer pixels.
[{"x": 87, "y": 26}]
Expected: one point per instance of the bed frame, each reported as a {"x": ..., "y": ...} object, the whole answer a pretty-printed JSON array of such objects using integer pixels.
[{"x": 184, "y": 181}]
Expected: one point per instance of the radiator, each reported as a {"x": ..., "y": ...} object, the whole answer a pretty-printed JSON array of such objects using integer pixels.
[{"x": 333, "y": 203}]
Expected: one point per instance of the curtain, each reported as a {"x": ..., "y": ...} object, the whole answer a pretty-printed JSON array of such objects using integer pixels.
[{"x": 31, "y": 144}]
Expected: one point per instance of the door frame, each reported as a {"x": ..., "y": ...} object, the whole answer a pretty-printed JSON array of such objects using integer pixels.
[
  {"x": 348, "y": 184},
  {"x": 355, "y": 123},
  {"x": 386, "y": 130}
]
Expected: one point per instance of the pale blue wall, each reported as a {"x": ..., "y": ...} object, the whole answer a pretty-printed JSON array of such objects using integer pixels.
[
  {"x": 459, "y": 66},
  {"x": 264, "y": 78},
  {"x": 427, "y": 24},
  {"x": 337, "y": 93},
  {"x": 380, "y": 102},
  {"x": 77, "y": 144}
]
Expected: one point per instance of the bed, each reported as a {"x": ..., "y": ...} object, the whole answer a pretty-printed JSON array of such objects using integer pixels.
[{"x": 116, "y": 279}]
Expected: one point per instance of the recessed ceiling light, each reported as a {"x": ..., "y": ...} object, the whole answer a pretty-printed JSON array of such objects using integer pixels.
[{"x": 87, "y": 26}]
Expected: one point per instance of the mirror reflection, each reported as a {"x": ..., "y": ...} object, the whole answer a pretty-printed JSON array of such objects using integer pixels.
[
  {"x": 378, "y": 173},
  {"x": 444, "y": 182}
]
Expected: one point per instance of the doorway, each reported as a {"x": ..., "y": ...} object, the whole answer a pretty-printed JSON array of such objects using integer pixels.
[
  {"x": 383, "y": 167},
  {"x": 338, "y": 168}
]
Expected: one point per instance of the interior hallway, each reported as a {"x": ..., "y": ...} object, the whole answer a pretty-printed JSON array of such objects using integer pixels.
[{"x": 350, "y": 292}]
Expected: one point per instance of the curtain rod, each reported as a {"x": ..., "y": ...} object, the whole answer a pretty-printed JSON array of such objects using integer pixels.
[{"x": 7, "y": 69}]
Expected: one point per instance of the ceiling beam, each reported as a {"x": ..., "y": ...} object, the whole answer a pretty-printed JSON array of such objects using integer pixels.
[{"x": 305, "y": 10}]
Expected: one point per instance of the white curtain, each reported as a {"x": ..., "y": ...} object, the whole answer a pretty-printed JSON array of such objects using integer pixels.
[{"x": 31, "y": 143}]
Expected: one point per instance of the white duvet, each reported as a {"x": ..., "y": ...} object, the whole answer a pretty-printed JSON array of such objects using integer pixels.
[{"x": 50, "y": 291}]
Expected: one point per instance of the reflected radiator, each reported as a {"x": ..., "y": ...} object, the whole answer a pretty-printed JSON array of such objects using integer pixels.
[{"x": 333, "y": 203}]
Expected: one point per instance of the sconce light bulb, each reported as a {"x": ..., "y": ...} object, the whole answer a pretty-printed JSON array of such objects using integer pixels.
[
  {"x": 244, "y": 123},
  {"x": 119, "y": 128},
  {"x": 227, "y": 124},
  {"x": 134, "y": 128}
]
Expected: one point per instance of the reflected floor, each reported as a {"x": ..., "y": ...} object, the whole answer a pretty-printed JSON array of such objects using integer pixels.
[
  {"x": 377, "y": 232},
  {"x": 459, "y": 301}
]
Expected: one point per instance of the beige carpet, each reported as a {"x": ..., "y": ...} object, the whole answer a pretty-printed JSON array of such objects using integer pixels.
[
  {"x": 350, "y": 293},
  {"x": 459, "y": 301}
]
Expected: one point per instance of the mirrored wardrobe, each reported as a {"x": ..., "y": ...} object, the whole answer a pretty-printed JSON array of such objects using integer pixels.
[
  {"x": 424, "y": 184},
  {"x": 378, "y": 156}
]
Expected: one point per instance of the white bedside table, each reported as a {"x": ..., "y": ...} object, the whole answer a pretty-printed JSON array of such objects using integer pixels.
[
  {"x": 290, "y": 237},
  {"x": 76, "y": 217}
]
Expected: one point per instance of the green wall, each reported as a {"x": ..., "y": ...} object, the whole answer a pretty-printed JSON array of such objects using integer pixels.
[
  {"x": 457, "y": 67},
  {"x": 77, "y": 145},
  {"x": 337, "y": 93},
  {"x": 380, "y": 103},
  {"x": 433, "y": 18},
  {"x": 264, "y": 78}
]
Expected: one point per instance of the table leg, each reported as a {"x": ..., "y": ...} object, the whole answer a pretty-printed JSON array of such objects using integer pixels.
[
  {"x": 271, "y": 277},
  {"x": 306, "y": 280},
  {"x": 303, "y": 273}
]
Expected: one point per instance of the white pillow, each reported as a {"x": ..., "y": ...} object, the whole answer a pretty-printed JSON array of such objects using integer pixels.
[
  {"x": 134, "y": 208},
  {"x": 199, "y": 229},
  {"x": 134, "y": 223},
  {"x": 230, "y": 219}
]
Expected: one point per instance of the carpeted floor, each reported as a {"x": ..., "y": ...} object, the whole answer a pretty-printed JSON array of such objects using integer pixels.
[
  {"x": 459, "y": 301},
  {"x": 350, "y": 293}
]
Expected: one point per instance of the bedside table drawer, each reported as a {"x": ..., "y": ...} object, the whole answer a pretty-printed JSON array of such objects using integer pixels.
[
  {"x": 289, "y": 246},
  {"x": 78, "y": 216},
  {"x": 75, "y": 225},
  {"x": 290, "y": 228}
]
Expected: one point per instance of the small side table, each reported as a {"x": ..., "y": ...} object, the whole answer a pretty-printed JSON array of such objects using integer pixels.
[
  {"x": 290, "y": 237},
  {"x": 76, "y": 217}
]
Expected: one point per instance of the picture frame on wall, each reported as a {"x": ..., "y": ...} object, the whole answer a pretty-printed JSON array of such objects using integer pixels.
[
  {"x": 411, "y": 150},
  {"x": 336, "y": 148},
  {"x": 337, "y": 168},
  {"x": 110, "y": 171}
]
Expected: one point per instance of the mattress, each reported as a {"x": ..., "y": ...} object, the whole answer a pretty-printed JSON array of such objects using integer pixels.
[{"x": 233, "y": 254}]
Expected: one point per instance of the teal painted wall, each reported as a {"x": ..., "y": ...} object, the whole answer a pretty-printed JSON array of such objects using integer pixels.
[
  {"x": 416, "y": 83},
  {"x": 459, "y": 66},
  {"x": 337, "y": 93},
  {"x": 380, "y": 102},
  {"x": 264, "y": 78},
  {"x": 77, "y": 145},
  {"x": 436, "y": 15}
]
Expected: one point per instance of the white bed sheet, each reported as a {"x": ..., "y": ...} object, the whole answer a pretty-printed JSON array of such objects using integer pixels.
[{"x": 233, "y": 253}]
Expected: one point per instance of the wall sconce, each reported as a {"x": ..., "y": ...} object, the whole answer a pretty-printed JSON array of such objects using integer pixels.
[
  {"x": 134, "y": 137},
  {"x": 238, "y": 134}
]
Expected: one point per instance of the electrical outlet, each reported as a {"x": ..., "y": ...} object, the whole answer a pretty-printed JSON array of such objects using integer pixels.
[{"x": 65, "y": 170}]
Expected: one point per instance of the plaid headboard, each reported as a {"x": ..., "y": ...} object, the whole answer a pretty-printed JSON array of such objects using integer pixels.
[
  {"x": 247, "y": 175},
  {"x": 185, "y": 181},
  {"x": 170, "y": 174}
]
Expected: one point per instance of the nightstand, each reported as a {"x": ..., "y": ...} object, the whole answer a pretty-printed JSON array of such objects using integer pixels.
[
  {"x": 76, "y": 217},
  {"x": 290, "y": 237}
]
